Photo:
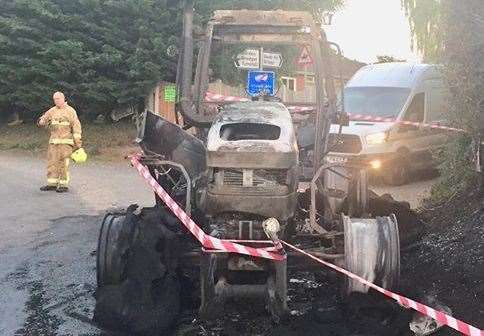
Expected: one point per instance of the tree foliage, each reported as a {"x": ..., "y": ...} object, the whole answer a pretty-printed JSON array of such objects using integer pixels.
[
  {"x": 426, "y": 23},
  {"x": 102, "y": 53},
  {"x": 206, "y": 7},
  {"x": 450, "y": 32},
  {"x": 388, "y": 59},
  {"x": 463, "y": 22}
]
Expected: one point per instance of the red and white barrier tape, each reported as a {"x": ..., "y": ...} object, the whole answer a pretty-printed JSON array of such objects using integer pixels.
[
  {"x": 362, "y": 117},
  {"x": 212, "y": 243},
  {"x": 207, "y": 241},
  {"x": 448, "y": 320},
  {"x": 213, "y": 97}
]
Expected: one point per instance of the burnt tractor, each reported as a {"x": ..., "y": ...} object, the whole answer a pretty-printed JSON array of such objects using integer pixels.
[{"x": 235, "y": 168}]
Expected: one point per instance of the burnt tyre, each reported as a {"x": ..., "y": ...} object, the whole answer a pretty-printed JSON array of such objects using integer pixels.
[
  {"x": 115, "y": 239},
  {"x": 410, "y": 225},
  {"x": 138, "y": 281},
  {"x": 397, "y": 173}
]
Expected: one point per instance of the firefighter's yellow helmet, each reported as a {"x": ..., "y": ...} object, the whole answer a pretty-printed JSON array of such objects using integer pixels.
[{"x": 79, "y": 156}]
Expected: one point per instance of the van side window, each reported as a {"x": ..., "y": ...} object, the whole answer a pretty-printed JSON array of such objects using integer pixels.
[
  {"x": 438, "y": 105},
  {"x": 416, "y": 110}
]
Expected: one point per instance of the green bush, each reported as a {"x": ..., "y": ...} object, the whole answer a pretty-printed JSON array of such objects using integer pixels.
[{"x": 101, "y": 53}]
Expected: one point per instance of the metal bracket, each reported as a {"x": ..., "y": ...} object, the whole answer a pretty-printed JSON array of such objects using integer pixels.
[{"x": 156, "y": 162}]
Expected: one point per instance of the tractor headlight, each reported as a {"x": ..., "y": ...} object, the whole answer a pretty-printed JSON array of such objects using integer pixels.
[
  {"x": 375, "y": 164},
  {"x": 376, "y": 138},
  {"x": 271, "y": 228}
]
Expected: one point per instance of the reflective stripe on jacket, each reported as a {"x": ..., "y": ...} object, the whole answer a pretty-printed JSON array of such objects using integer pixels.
[
  {"x": 64, "y": 125},
  {"x": 61, "y": 141}
]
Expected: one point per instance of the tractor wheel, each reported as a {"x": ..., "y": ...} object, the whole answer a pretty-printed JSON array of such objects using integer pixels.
[
  {"x": 372, "y": 251},
  {"x": 410, "y": 225},
  {"x": 138, "y": 282},
  {"x": 398, "y": 172},
  {"x": 115, "y": 238}
]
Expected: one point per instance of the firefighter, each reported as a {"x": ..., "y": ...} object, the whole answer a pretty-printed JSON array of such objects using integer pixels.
[{"x": 65, "y": 136}]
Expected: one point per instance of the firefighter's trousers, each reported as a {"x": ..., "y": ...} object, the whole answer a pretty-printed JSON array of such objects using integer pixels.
[{"x": 58, "y": 158}]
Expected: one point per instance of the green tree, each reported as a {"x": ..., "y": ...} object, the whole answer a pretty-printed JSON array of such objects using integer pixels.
[
  {"x": 426, "y": 23},
  {"x": 100, "y": 53},
  {"x": 206, "y": 7},
  {"x": 450, "y": 32},
  {"x": 462, "y": 52},
  {"x": 388, "y": 59}
]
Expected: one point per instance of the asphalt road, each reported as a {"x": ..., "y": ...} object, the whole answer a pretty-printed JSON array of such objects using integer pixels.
[
  {"x": 413, "y": 192},
  {"x": 48, "y": 241},
  {"x": 47, "y": 244}
]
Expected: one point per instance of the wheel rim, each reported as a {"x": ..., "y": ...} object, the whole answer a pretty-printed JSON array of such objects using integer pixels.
[{"x": 372, "y": 251}]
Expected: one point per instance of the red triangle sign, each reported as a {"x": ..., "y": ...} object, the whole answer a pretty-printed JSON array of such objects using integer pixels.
[{"x": 305, "y": 57}]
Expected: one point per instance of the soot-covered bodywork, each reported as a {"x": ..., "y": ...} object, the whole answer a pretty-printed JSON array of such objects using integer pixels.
[
  {"x": 248, "y": 165},
  {"x": 236, "y": 176},
  {"x": 252, "y": 161}
]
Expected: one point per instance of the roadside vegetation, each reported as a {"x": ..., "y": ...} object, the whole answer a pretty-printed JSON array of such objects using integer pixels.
[
  {"x": 102, "y": 54},
  {"x": 101, "y": 141},
  {"x": 450, "y": 32}
]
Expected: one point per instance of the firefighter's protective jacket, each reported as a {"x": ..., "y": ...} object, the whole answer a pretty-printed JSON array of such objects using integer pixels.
[{"x": 64, "y": 125}]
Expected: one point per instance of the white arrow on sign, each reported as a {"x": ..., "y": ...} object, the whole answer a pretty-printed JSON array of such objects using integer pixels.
[
  {"x": 249, "y": 59},
  {"x": 272, "y": 60}
]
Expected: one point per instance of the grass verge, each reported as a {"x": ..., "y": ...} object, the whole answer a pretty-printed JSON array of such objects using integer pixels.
[{"x": 101, "y": 141}]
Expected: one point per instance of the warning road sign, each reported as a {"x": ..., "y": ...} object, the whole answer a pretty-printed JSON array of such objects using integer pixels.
[{"x": 305, "y": 57}]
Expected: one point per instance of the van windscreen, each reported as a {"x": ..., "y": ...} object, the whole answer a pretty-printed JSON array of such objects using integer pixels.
[{"x": 385, "y": 102}]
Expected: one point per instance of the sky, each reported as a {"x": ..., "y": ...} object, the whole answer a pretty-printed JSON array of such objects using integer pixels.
[{"x": 367, "y": 28}]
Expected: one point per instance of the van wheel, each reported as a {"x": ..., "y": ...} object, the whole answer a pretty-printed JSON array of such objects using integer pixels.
[{"x": 397, "y": 175}]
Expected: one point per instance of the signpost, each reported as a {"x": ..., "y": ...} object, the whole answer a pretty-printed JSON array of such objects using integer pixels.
[
  {"x": 251, "y": 59},
  {"x": 259, "y": 81},
  {"x": 272, "y": 60}
]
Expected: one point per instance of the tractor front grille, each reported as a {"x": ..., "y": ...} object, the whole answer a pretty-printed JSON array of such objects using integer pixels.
[{"x": 254, "y": 178}]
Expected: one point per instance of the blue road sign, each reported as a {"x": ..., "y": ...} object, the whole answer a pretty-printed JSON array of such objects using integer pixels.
[{"x": 259, "y": 81}]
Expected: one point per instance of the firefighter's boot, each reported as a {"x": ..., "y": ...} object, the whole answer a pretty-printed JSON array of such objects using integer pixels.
[
  {"x": 61, "y": 189},
  {"x": 48, "y": 188}
]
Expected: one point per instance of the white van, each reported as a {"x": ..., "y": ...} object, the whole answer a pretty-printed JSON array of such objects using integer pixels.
[{"x": 400, "y": 92}]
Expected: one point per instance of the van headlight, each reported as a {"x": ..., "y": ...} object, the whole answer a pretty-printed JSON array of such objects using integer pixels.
[{"x": 376, "y": 138}]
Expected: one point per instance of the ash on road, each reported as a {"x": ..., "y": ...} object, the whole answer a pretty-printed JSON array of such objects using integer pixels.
[{"x": 47, "y": 273}]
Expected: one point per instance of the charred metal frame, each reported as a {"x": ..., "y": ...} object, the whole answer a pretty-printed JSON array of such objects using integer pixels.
[
  {"x": 227, "y": 29},
  {"x": 158, "y": 165},
  {"x": 191, "y": 104},
  {"x": 357, "y": 194}
]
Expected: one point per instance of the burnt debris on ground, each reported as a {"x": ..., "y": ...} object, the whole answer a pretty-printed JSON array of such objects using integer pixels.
[{"x": 448, "y": 264}]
